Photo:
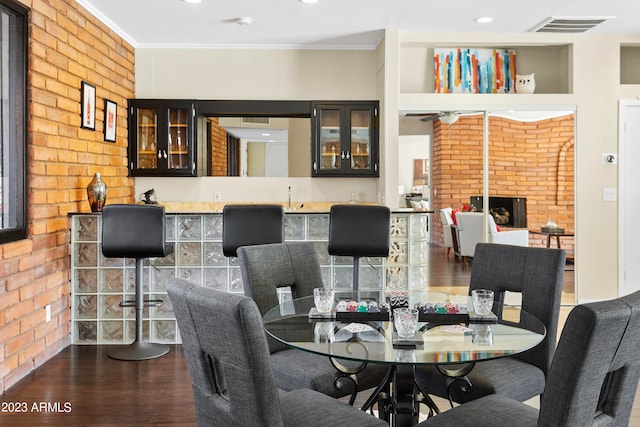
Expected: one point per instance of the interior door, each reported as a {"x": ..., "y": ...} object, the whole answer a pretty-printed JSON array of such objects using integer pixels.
[
  {"x": 629, "y": 183},
  {"x": 276, "y": 159}
]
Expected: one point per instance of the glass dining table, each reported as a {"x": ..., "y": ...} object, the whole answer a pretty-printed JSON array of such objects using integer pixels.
[{"x": 450, "y": 336}]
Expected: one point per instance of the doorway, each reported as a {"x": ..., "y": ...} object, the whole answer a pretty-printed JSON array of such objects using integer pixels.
[
  {"x": 629, "y": 201},
  {"x": 527, "y": 155}
]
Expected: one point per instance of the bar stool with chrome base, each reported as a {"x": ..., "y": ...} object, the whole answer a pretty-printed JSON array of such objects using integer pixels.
[
  {"x": 359, "y": 231},
  {"x": 365, "y": 231},
  {"x": 135, "y": 231}
]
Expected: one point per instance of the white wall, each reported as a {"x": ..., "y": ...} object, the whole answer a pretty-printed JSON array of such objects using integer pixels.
[
  {"x": 258, "y": 75},
  {"x": 253, "y": 189},
  {"x": 594, "y": 86},
  {"x": 594, "y": 90},
  {"x": 255, "y": 74}
]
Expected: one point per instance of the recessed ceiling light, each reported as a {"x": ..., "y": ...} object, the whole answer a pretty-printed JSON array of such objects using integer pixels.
[
  {"x": 484, "y": 20},
  {"x": 245, "y": 20},
  {"x": 309, "y": 1},
  {"x": 192, "y": 1},
  {"x": 266, "y": 134}
]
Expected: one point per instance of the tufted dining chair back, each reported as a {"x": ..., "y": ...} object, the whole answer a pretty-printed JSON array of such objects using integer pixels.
[{"x": 228, "y": 361}]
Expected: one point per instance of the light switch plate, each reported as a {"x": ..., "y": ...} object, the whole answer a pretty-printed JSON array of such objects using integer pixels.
[{"x": 609, "y": 194}]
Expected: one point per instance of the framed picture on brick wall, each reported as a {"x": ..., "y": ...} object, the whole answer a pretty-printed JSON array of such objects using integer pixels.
[
  {"x": 110, "y": 111},
  {"x": 88, "y": 106}
]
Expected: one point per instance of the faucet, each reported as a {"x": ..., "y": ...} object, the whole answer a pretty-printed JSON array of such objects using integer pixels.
[{"x": 289, "y": 198}]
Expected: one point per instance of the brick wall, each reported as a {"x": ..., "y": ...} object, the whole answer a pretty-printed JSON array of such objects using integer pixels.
[
  {"x": 66, "y": 46},
  {"x": 218, "y": 148},
  {"x": 526, "y": 159}
]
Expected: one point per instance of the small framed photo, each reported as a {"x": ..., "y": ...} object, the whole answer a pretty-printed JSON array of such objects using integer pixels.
[
  {"x": 88, "y": 106},
  {"x": 110, "y": 111}
]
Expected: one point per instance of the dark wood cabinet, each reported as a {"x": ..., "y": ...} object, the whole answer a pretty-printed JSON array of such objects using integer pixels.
[
  {"x": 345, "y": 138},
  {"x": 162, "y": 138}
]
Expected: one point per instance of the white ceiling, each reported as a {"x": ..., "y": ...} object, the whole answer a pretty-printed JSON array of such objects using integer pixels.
[
  {"x": 256, "y": 134},
  {"x": 337, "y": 24}
]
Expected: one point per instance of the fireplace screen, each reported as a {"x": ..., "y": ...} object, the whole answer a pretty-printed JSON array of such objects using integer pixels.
[{"x": 506, "y": 211}]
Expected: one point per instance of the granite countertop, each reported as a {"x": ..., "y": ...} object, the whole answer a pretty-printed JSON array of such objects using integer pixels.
[{"x": 186, "y": 208}]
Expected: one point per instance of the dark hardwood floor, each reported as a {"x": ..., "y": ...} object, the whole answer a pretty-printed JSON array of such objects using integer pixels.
[
  {"x": 452, "y": 275},
  {"x": 82, "y": 386}
]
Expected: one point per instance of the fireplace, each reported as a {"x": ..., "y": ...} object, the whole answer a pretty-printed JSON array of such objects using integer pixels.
[{"x": 506, "y": 211}]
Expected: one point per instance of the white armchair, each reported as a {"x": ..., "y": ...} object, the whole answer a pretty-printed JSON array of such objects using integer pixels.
[
  {"x": 447, "y": 222},
  {"x": 470, "y": 233}
]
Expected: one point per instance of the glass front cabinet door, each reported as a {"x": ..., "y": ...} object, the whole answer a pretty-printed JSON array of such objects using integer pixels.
[
  {"x": 162, "y": 138},
  {"x": 345, "y": 137}
]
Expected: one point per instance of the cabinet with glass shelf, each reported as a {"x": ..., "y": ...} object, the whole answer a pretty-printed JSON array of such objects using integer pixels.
[
  {"x": 162, "y": 138},
  {"x": 345, "y": 138}
]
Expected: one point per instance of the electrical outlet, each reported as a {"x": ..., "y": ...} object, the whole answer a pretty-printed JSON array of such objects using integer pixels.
[
  {"x": 217, "y": 196},
  {"x": 47, "y": 313}
]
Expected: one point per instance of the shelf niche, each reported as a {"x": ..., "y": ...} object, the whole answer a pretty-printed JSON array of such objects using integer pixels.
[
  {"x": 550, "y": 63},
  {"x": 629, "y": 65}
]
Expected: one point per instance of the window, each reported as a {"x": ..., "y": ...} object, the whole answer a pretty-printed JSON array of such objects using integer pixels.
[{"x": 13, "y": 121}]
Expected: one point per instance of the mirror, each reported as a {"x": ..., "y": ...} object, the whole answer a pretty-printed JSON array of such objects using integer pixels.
[
  {"x": 259, "y": 146},
  {"x": 292, "y": 117},
  {"x": 529, "y": 158}
]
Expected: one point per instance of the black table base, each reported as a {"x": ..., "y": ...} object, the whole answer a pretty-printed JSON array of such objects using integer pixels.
[{"x": 399, "y": 397}]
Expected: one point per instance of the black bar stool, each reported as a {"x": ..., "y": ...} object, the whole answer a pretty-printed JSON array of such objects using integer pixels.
[
  {"x": 245, "y": 225},
  {"x": 359, "y": 231},
  {"x": 135, "y": 231}
]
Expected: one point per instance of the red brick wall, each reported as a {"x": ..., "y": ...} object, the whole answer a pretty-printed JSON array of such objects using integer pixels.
[
  {"x": 526, "y": 159},
  {"x": 218, "y": 148},
  {"x": 66, "y": 46}
]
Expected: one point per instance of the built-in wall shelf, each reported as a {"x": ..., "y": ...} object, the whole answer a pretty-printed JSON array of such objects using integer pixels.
[
  {"x": 629, "y": 64},
  {"x": 408, "y": 102},
  {"x": 551, "y": 63}
]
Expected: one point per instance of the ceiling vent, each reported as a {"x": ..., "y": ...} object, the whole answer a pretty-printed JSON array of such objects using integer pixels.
[
  {"x": 255, "y": 120},
  {"x": 569, "y": 24}
]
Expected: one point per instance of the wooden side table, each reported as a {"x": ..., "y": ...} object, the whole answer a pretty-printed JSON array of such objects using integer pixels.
[{"x": 550, "y": 234}]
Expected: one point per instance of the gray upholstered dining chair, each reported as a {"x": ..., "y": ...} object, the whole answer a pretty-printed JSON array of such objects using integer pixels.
[
  {"x": 592, "y": 381},
  {"x": 535, "y": 273},
  {"x": 295, "y": 266},
  {"x": 228, "y": 361}
]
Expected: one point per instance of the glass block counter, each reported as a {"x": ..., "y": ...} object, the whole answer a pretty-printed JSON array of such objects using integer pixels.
[{"x": 99, "y": 283}]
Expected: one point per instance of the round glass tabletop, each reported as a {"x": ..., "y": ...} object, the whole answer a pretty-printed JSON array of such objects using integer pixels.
[{"x": 442, "y": 338}]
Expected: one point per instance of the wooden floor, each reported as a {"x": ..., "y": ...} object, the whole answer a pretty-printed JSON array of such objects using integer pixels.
[
  {"x": 448, "y": 274},
  {"x": 99, "y": 391},
  {"x": 82, "y": 386}
]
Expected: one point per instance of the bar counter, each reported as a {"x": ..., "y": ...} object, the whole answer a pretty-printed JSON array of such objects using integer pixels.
[{"x": 97, "y": 282}]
